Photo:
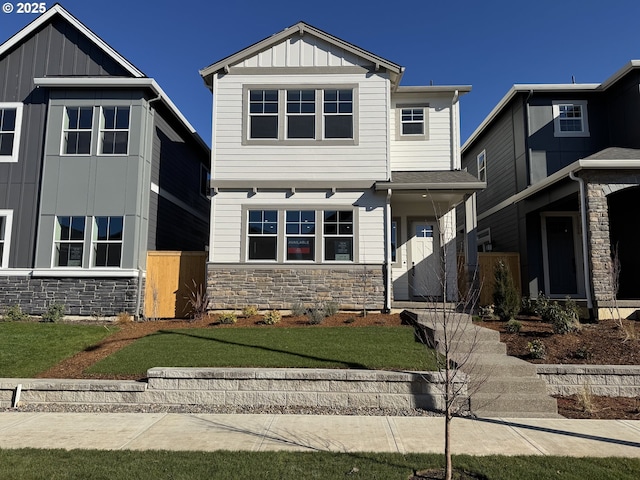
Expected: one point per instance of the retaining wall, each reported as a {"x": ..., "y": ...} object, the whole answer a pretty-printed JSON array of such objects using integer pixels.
[
  {"x": 242, "y": 387},
  {"x": 603, "y": 380}
]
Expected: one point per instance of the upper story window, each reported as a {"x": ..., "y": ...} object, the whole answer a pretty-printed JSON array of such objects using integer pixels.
[
  {"x": 77, "y": 130},
  {"x": 482, "y": 166},
  {"x": 6, "y": 217},
  {"x": 263, "y": 114},
  {"x": 10, "y": 123},
  {"x": 300, "y": 115},
  {"x": 114, "y": 130},
  {"x": 411, "y": 122},
  {"x": 570, "y": 118},
  {"x": 338, "y": 114}
]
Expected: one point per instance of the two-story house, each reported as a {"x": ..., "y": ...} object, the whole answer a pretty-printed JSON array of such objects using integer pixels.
[
  {"x": 330, "y": 180},
  {"x": 561, "y": 165},
  {"x": 97, "y": 166}
]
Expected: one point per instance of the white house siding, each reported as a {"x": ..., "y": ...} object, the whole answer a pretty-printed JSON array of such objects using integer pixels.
[
  {"x": 431, "y": 154},
  {"x": 285, "y": 161},
  {"x": 227, "y": 239}
]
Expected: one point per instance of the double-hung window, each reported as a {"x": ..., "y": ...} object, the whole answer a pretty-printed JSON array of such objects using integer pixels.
[
  {"x": 482, "y": 166},
  {"x": 107, "y": 241},
  {"x": 570, "y": 118},
  {"x": 263, "y": 114},
  {"x": 10, "y": 122},
  {"x": 412, "y": 121},
  {"x": 77, "y": 130},
  {"x": 263, "y": 235},
  {"x": 338, "y": 113},
  {"x": 114, "y": 130},
  {"x": 338, "y": 235},
  {"x": 301, "y": 113},
  {"x": 6, "y": 217},
  {"x": 69, "y": 241},
  {"x": 301, "y": 230}
]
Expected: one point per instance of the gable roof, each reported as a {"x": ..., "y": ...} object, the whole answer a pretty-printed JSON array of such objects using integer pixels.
[
  {"x": 549, "y": 88},
  {"x": 301, "y": 28},
  {"x": 57, "y": 9}
]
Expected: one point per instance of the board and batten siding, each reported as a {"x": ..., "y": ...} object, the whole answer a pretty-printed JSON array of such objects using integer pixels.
[
  {"x": 227, "y": 239},
  {"x": 286, "y": 161},
  {"x": 434, "y": 153}
]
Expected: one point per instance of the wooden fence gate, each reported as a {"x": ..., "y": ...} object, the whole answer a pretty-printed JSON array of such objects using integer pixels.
[{"x": 170, "y": 279}]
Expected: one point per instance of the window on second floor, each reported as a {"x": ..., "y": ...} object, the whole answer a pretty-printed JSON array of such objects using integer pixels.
[
  {"x": 77, "y": 130},
  {"x": 570, "y": 118},
  {"x": 295, "y": 115},
  {"x": 411, "y": 122},
  {"x": 482, "y": 166},
  {"x": 10, "y": 123},
  {"x": 114, "y": 131}
]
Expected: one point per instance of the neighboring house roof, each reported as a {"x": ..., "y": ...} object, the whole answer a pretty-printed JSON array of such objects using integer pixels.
[
  {"x": 57, "y": 9},
  {"x": 138, "y": 79},
  {"x": 615, "y": 153},
  {"x": 432, "y": 180},
  {"x": 301, "y": 28}
]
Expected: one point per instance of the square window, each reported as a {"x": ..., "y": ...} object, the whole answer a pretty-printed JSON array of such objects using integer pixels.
[
  {"x": 77, "y": 130},
  {"x": 570, "y": 118}
]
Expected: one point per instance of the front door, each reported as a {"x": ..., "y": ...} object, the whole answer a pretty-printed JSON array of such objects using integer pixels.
[
  {"x": 425, "y": 264},
  {"x": 561, "y": 260}
]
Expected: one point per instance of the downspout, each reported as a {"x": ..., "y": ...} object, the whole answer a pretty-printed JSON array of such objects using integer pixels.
[
  {"x": 585, "y": 241},
  {"x": 141, "y": 194},
  {"x": 455, "y": 136},
  {"x": 387, "y": 301}
]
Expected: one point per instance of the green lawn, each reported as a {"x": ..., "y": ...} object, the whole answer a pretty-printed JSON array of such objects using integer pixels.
[
  {"x": 328, "y": 347},
  {"x": 27, "y": 349},
  {"x": 28, "y": 464}
]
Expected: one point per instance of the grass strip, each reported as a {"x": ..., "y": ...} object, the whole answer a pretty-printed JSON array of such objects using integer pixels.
[
  {"x": 31, "y": 464},
  {"x": 328, "y": 347}
]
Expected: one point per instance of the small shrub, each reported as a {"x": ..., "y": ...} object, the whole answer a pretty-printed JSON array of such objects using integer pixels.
[
  {"x": 505, "y": 296},
  {"x": 123, "y": 317},
  {"x": 249, "y": 311},
  {"x": 585, "y": 399},
  {"x": 54, "y": 313},
  {"x": 350, "y": 320},
  {"x": 486, "y": 311},
  {"x": 582, "y": 353},
  {"x": 331, "y": 308},
  {"x": 315, "y": 316},
  {"x": 528, "y": 306},
  {"x": 541, "y": 305},
  {"x": 537, "y": 349},
  {"x": 563, "y": 320},
  {"x": 227, "y": 318},
  {"x": 272, "y": 317},
  {"x": 15, "y": 314},
  {"x": 513, "y": 326},
  {"x": 197, "y": 301},
  {"x": 298, "y": 309}
]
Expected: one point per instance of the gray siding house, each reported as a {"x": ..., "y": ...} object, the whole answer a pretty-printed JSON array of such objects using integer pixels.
[
  {"x": 97, "y": 166},
  {"x": 562, "y": 166},
  {"x": 331, "y": 180}
]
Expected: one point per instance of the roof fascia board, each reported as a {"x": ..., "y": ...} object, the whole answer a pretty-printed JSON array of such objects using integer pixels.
[
  {"x": 298, "y": 28},
  {"x": 620, "y": 73},
  {"x": 514, "y": 90},
  {"x": 559, "y": 175},
  {"x": 116, "y": 82},
  {"x": 461, "y": 89},
  {"x": 463, "y": 186},
  {"x": 288, "y": 184},
  {"x": 59, "y": 10}
]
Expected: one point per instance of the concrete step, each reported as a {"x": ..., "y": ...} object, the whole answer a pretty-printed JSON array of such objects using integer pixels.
[
  {"x": 494, "y": 365},
  {"x": 465, "y": 333},
  {"x": 497, "y": 414},
  {"x": 512, "y": 402},
  {"x": 481, "y": 346},
  {"x": 508, "y": 385}
]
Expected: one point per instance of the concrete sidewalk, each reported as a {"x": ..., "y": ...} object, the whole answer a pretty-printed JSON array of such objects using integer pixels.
[{"x": 169, "y": 431}]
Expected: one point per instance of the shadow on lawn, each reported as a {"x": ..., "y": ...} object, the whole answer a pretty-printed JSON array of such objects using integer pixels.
[{"x": 351, "y": 365}]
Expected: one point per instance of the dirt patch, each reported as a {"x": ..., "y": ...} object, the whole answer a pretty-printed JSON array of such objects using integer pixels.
[
  {"x": 74, "y": 367},
  {"x": 608, "y": 408}
]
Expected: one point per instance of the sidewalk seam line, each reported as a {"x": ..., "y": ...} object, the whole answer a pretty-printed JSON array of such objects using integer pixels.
[
  {"x": 144, "y": 430},
  {"x": 539, "y": 448}
]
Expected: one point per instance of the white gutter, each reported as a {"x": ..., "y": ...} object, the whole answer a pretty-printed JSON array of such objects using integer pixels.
[
  {"x": 585, "y": 241},
  {"x": 388, "y": 259},
  {"x": 560, "y": 174}
]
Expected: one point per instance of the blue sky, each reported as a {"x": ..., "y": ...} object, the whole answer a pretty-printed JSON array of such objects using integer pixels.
[{"x": 489, "y": 44}]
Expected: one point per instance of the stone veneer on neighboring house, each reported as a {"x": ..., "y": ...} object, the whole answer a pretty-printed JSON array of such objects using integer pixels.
[
  {"x": 281, "y": 287},
  {"x": 80, "y": 296},
  {"x": 598, "y": 186}
]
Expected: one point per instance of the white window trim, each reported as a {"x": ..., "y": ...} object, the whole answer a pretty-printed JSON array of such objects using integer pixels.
[
  {"x": 337, "y": 235},
  {"x": 301, "y": 235},
  {"x": 101, "y": 130},
  {"x": 288, "y": 115},
  {"x": 95, "y": 241},
  {"x": 53, "y": 244},
  {"x": 64, "y": 130},
  {"x": 13, "y": 158},
  {"x": 556, "y": 118},
  {"x": 482, "y": 173},
  {"x": 277, "y": 235},
  {"x": 8, "y": 216}
]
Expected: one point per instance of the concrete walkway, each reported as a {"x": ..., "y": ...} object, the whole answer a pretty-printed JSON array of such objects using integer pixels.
[{"x": 168, "y": 431}]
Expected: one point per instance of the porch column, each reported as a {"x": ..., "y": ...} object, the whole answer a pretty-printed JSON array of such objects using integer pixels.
[
  {"x": 471, "y": 245},
  {"x": 387, "y": 262}
]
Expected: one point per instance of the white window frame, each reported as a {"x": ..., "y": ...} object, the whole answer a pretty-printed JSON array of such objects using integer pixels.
[
  {"x": 7, "y": 215},
  {"x": 338, "y": 102},
  {"x": 264, "y": 102},
  {"x": 338, "y": 234},
  {"x": 102, "y": 129},
  {"x": 16, "y": 131},
  {"x": 481, "y": 162},
  {"x": 57, "y": 242},
  {"x": 66, "y": 129},
  {"x": 300, "y": 222},
  {"x": 275, "y": 235},
  {"x": 294, "y": 115},
  {"x": 95, "y": 241},
  {"x": 557, "y": 131}
]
